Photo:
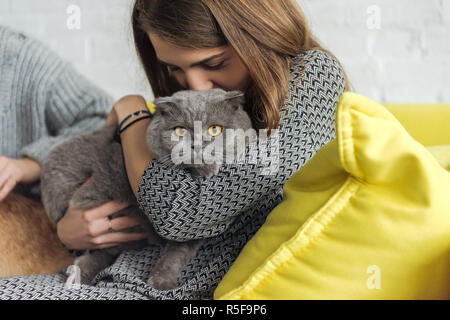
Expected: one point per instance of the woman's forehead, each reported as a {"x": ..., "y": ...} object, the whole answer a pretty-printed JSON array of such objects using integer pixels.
[{"x": 171, "y": 54}]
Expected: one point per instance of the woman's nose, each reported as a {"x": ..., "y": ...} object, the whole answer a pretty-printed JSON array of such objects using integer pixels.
[{"x": 197, "y": 82}]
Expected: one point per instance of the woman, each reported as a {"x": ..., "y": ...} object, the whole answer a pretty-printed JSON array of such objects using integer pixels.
[{"x": 292, "y": 84}]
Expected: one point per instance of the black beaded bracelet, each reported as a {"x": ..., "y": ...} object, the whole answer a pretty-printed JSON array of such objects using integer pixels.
[{"x": 119, "y": 129}]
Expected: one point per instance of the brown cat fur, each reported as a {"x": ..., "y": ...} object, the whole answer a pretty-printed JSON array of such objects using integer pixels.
[{"x": 28, "y": 241}]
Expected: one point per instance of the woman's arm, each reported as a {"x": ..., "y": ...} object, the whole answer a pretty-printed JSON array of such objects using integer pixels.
[
  {"x": 183, "y": 208},
  {"x": 135, "y": 150},
  {"x": 30, "y": 170}
]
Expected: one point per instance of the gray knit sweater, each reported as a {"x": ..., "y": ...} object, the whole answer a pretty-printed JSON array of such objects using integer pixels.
[
  {"x": 43, "y": 100},
  {"x": 226, "y": 209}
]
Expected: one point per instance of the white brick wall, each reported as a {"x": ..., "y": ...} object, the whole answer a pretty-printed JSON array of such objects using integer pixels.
[
  {"x": 102, "y": 49},
  {"x": 405, "y": 60}
]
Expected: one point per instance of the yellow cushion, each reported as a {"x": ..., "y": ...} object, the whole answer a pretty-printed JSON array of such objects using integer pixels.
[
  {"x": 442, "y": 155},
  {"x": 367, "y": 218},
  {"x": 426, "y": 123}
]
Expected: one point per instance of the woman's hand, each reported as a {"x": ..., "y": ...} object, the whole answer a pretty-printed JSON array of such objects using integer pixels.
[
  {"x": 13, "y": 171},
  {"x": 82, "y": 230},
  {"x": 123, "y": 108},
  {"x": 89, "y": 229}
]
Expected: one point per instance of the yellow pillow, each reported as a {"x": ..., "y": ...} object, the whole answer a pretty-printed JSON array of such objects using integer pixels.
[
  {"x": 367, "y": 218},
  {"x": 427, "y": 123},
  {"x": 442, "y": 155}
]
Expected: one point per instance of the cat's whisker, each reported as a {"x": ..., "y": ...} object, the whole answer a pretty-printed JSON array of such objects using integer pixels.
[{"x": 166, "y": 159}]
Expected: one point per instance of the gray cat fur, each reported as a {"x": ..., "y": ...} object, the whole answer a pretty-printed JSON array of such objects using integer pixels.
[{"x": 97, "y": 155}]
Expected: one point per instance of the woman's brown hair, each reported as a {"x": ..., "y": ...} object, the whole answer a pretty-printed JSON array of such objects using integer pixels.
[{"x": 266, "y": 34}]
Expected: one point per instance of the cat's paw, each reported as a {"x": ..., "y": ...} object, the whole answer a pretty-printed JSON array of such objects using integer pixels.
[
  {"x": 87, "y": 278},
  {"x": 76, "y": 277},
  {"x": 86, "y": 272},
  {"x": 160, "y": 283}
]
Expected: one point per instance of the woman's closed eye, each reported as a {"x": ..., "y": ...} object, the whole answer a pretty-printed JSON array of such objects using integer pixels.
[{"x": 216, "y": 66}]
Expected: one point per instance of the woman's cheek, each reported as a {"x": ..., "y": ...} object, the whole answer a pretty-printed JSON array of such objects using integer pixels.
[{"x": 228, "y": 81}]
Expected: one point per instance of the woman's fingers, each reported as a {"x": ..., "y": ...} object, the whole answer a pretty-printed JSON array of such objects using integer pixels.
[
  {"x": 120, "y": 223},
  {"x": 105, "y": 210},
  {"x": 118, "y": 238},
  {"x": 107, "y": 245},
  {"x": 7, "y": 188},
  {"x": 101, "y": 226}
]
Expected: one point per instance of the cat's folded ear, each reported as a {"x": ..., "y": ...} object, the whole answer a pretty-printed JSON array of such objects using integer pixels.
[
  {"x": 165, "y": 106},
  {"x": 236, "y": 98}
]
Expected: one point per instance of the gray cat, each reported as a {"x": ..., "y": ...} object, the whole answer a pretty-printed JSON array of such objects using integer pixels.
[{"x": 97, "y": 155}]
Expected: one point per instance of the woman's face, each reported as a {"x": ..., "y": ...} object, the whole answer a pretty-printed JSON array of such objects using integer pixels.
[{"x": 202, "y": 69}]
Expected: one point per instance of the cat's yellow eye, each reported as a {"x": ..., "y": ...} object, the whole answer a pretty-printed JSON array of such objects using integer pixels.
[
  {"x": 215, "y": 130},
  {"x": 180, "y": 131}
]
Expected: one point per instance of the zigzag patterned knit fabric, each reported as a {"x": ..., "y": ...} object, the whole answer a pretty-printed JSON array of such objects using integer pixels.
[{"x": 226, "y": 209}]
